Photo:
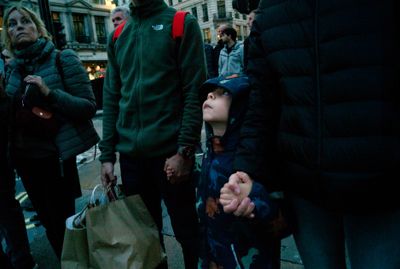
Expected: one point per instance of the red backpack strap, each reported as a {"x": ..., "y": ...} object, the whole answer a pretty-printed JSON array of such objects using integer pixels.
[
  {"x": 118, "y": 31},
  {"x": 178, "y": 24}
]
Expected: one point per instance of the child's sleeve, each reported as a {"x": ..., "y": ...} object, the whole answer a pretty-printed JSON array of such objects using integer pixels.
[{"x": 260, "y": 197}]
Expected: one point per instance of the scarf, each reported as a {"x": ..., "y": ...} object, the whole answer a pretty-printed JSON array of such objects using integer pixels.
[{"x": 37, "y": 52}]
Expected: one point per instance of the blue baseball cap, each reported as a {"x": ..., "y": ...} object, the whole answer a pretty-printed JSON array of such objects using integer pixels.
[{"x": 234, "y": 84}]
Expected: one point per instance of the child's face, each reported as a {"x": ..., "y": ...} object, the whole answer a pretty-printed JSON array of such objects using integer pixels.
[{"x": 216, "y": 107}]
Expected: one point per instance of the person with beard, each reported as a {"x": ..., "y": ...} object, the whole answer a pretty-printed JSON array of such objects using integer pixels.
[{"x": 231, "y": 57}]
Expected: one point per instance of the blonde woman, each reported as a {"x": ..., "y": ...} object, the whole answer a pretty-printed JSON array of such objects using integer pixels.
[{"x": 53, "y": 103}]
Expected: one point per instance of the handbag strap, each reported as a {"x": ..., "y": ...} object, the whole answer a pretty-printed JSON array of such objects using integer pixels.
[{"x": 60, "y": 68}]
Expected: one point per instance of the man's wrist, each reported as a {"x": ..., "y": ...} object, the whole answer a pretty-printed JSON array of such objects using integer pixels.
[{"x": 187, "y": 152}]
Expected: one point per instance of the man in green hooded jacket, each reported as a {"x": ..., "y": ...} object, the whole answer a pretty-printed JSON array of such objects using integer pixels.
[{"x": 152, "y": 115}]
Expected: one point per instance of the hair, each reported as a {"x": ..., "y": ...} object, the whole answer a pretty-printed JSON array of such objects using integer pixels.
[
  {"x": 255, "y": 11},
  {"x": 229, "y": 31},
  {"x": 125, "y": 10},
  {"x": 27, "y": 12}
]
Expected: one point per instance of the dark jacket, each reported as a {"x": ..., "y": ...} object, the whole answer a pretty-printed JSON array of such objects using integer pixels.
[
  {"x": 208, "y": 51},
  {"x": 216, "y": 51},
  {"x": 324, "y": 113},
  {"x": 71, "y": 99},
  {"x": 150, "y": 97}
]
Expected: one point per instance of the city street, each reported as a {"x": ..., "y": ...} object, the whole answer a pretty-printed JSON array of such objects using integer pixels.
[{"x": 89, "y": 170}]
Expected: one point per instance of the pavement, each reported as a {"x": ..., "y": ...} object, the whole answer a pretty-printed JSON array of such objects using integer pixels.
[{"x": 89, "y": 171}]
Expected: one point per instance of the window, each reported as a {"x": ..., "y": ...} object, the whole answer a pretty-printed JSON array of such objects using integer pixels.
[
  {"x": 237, "y": 15},
  {"x": 244, "y": 17},
  {"x": 170, "y": 2},
  {"x": 221, "y": 9},
  {"x": 194, "y": 11},
  {"x": 100, "y": 29},
  {"x": 207, "y": 35},
  {"x": 205, "y": 12},
  {"x": 78, "y": 21}
]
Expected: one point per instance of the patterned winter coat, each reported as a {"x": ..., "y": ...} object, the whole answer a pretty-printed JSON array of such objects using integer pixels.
[{"x": 230, "y": 241}]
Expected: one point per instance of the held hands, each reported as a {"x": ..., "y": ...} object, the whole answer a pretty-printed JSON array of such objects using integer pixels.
[
  {"x": 107, "y": 174},
  {"x": 38, "y": 81},
  {"x": 178, "y": 168},
  {"x": 234, "y": 195}
]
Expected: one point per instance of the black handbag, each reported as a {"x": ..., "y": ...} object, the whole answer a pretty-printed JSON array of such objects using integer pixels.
[{"x": 33, "y": 115}]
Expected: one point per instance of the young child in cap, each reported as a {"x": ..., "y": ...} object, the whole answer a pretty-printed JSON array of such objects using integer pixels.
[{"x": 229, "y": 241}]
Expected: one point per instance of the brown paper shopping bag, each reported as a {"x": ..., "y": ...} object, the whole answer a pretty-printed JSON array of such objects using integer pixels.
[
  {"x": 123, "y": 235},
  {"x": 75, "y": 247}
]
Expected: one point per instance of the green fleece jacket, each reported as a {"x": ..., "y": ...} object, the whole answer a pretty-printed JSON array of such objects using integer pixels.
[{"x": 151, "y": 92}]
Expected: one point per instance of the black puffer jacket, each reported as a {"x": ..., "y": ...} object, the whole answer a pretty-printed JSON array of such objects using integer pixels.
[{"x": 324, "y": 113}]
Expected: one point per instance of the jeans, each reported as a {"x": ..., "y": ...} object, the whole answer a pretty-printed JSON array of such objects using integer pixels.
[
  {"x": 325, "y": 239},
  {"x": 12, "y": 227},
  {"x": 147, "y": 178}
]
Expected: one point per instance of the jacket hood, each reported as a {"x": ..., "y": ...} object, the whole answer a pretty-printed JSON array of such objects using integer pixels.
[{"x": 238, "y": 86}]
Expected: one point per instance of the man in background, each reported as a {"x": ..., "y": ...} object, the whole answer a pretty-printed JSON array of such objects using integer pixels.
[
  {"x": 217, "y": 49},
  {"x": 118, "y": 15},
  {"x": 231, "y": 60}
]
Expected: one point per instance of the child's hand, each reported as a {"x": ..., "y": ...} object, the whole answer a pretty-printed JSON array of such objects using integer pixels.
[
  {"x": 234, "y": 195},
  {"x": 245, "y": 189}
]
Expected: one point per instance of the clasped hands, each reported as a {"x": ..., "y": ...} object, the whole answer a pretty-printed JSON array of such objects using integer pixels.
[
  {"x": 178, "y": 168},
  {"x": 234, "y": 195}
]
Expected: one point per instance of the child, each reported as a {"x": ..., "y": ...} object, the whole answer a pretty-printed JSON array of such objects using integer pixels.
[{"x": 229, "y": 241}]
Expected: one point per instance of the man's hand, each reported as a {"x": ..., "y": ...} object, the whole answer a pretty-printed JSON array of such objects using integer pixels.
[
  {"x": 178, "y": 168},
  {"x": 234, "y": 195},
  {"x": 107, "y": 174}
]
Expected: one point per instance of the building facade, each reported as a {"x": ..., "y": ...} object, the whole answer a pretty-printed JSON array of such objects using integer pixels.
[
  {"x": 212, "y": 13},
  {"x": 86, "y": 26},
  {"x": 87, "y": 23}
]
